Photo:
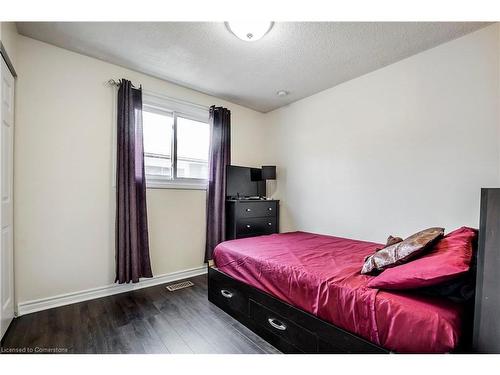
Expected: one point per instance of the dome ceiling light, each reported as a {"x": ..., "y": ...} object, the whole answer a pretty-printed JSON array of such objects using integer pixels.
[{"x": 249, "y": 31}]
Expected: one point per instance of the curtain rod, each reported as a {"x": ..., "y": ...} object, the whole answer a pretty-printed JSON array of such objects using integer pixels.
[
  {"x": 116, "y": 83},
  {"x": 112, "y": 82}
]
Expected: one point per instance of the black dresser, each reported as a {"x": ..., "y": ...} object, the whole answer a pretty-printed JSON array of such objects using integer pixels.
[{"x": 248, "y": 218}]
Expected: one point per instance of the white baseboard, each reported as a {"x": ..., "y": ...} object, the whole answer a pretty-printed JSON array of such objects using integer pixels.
[{"x": 28, "y": 307}]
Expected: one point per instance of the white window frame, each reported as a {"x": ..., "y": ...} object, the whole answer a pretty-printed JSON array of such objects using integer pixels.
[{"x": 175, "y": 108}]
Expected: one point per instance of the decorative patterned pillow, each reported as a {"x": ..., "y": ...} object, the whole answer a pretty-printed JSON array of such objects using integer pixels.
[
  {"x": 401, "y": 252},
  {"x": 449, "y": 259}
]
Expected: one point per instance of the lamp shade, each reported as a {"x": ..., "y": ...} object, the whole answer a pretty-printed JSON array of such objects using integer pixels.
[{"x": 269, "y": 172}]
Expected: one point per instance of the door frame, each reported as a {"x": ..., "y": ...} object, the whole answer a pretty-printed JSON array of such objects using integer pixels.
[
  {"x": 5, "y": 57},
  {"x": 7, "y": 60}
]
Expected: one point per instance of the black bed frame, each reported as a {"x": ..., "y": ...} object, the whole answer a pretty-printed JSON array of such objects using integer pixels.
[
  {"x": 293, "y": 330},
  {"x": 288, "y": 328}
]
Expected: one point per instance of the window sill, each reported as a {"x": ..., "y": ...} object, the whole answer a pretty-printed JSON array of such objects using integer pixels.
[{"x": 179, "y": 185}]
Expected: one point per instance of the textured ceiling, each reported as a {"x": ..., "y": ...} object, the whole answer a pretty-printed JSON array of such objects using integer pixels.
[{"x": 302, "y": 58}]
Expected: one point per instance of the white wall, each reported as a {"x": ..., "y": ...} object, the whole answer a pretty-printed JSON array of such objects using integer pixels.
[
  {"x": 403, "y": 148},
  {"x": 64, "y": 200}
]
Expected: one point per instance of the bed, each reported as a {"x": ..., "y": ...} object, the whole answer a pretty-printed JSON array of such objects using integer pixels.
[{"x": 320, "y": 275}]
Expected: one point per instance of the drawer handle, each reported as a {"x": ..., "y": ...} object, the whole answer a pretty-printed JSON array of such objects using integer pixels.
[
  {"x": 248, "y": 226},
  {"x": 277, "y": 324},
  {"x": 269, "y": 224},
  {"x": 226, "y": 293},
  {"x": 270, "y": 208},
  {"x": 248, "y": 210}
]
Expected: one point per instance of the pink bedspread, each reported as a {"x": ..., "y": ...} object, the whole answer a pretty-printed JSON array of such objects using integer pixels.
[{"x": 320, "y": 274}]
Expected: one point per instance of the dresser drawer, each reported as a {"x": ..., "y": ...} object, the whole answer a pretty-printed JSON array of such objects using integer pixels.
[
  {"x": 256, "y": 226},
  {"x": 256, "y": 209},
  {"x": 292, "y": 333}
]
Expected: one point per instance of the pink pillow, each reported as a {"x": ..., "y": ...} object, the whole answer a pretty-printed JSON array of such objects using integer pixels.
[{"x": 448, "y": 258}]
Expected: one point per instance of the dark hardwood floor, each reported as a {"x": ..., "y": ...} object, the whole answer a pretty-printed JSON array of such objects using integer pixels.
[{"x": 150, "y": 320}]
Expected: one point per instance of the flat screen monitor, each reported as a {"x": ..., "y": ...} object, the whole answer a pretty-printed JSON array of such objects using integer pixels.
[{"x": 244, "y": 182}]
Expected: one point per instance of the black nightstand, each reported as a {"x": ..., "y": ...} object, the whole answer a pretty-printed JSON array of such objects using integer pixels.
[{"x": 249, "y": 218}]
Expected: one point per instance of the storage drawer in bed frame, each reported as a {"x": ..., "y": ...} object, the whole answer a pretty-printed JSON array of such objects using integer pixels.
[{"x": 288, "y": 328}]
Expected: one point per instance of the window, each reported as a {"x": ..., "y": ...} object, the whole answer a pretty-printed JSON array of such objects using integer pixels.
[
  {"x": 176, "y": 141},
  {"x": 158, "y": 130},
  {"x": 192, "y": 148}
]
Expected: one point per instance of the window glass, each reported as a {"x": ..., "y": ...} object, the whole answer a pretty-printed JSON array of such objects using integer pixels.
[
  {"x": 192, "y": 148},
  {"x": 157, "y": 129}
]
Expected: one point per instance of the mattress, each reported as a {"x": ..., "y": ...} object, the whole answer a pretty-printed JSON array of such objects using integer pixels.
[{"x": 321, "y": 275}]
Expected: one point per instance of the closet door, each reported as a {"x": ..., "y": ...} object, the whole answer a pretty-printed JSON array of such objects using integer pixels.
[{"x": 6, "y": 206}]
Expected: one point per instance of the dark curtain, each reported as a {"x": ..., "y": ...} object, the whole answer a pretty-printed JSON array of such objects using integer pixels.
[
  {"x": 219, "y": 158},
  {"x": 132, "y": 248}
]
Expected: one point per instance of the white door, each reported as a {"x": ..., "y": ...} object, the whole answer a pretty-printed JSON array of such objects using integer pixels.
[{"x": 6, "y": 206}]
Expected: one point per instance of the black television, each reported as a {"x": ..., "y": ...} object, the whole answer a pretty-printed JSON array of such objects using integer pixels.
[{"x": 244, "y": 182}]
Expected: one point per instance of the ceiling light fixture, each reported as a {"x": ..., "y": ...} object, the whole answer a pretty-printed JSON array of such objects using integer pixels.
[
  {"x": 249, "y": 31},
  {"x": 282, "y": 93}
]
